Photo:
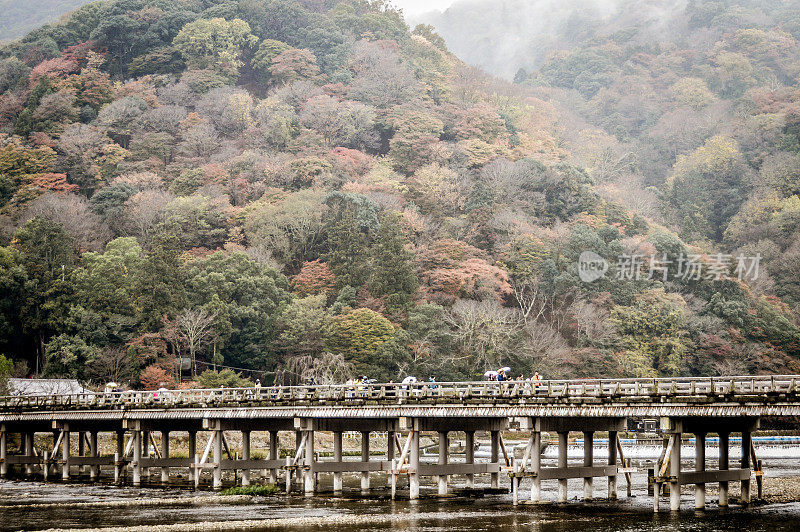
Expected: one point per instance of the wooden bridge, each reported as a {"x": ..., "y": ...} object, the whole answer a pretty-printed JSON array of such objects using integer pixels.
[{"x": 718, "y": 405}]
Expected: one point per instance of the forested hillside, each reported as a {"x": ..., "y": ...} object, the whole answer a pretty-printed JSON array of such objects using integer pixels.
[{"x": 308, "y": 189}]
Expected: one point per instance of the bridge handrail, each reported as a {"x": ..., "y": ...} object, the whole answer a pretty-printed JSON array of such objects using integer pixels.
[{"x": 546, "y": 390}]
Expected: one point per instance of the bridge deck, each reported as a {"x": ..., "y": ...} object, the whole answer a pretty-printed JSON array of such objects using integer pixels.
[{"x": 719, "y": 396}]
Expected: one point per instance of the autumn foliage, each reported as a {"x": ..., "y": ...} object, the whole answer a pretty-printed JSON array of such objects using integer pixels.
[
  {"x": 303, "y": 189},
  {"x": 314, "y": 278}
]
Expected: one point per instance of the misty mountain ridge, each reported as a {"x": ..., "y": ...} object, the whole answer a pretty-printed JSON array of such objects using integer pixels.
[{"x": 505, "y": 35}]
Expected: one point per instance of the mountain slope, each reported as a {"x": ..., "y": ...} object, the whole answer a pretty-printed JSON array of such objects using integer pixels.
[{"x": 310, "y": 190}]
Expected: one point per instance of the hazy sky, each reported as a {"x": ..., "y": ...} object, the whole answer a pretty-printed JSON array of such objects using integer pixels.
[{"x": 415, "y": 7}]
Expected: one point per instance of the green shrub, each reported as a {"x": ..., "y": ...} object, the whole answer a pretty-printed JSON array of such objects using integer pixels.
[{"x": 260, "y": 490}]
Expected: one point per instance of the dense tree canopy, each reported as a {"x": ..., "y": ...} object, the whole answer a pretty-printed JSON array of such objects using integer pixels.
[{"x": 293, "y": 190}]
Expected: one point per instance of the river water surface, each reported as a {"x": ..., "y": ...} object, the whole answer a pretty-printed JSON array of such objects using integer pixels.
[{"x": 41, "y": 506}]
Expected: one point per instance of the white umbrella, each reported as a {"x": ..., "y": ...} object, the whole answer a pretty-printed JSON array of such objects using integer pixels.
[
  {"x": 505, "y": 369},
  {"x": 490, "y": 374},
  {"x": 111, "y": 385},
  {"x": 409, "y": 380}
]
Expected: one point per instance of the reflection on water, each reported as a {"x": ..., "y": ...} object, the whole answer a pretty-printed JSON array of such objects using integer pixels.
[{"x": 490, "y": 513}]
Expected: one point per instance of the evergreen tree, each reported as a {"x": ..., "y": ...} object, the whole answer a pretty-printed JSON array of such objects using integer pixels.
[{"x": 393, "y": 274}]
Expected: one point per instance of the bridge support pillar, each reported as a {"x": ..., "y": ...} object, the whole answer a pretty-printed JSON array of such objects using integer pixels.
[
  {"x": 137, "y": 457},
  {"x": 337, "y": 457},
  {"x": 273, "y": 455},
  {"x": 612, "y": 461},
  {"x": 700, "y": 465},
  {"x": 298, "y": 440},
  {"x": 65, "y": 451},
  {"x": 443, "y": 452},
  {"x": 165, "y": 455},
  {"x": 562, "y": 464},
  {"x": 413, "y": 479},
  {"x": 495, "y": 450},
  {"x": 51, "y": 468},
  {"x": 536, "y": 465},
  {"x": 675, "y": 473},
  {"x": 747, "y": 441},
  {"x": 469, "y": 451},
  {"x": 217, "y": 474},
  {"x": 119, "y": 456},
  {"x": 365, "y": 458},
  {"x": 146, "y": 451},
  {"x": 81, "y": 449},
  {"x": 724, "y": 463},
  {"x": 246, "y": 457},
  {"x": 28, "y": 449},
  {"x": 3, "y": 452},
  {"x": 94, "y": 469},
  {"x": 308, "y": 474},
  {"x": 192, "y": 451},
  {"x": 390, "y": 448},
  {"x": 588, "y": 461}
]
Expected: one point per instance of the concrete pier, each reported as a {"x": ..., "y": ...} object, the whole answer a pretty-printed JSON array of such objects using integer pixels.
[
  {"x": 192, "y": 452},
  {"x": 137, "y": 457},
  {"x": 588, "y": 462},
  {"x": 747, "y": 441},
  {"x": 536, "y": 461},
  {"x": 273, "y": 456},
  {"x": 245, "y": 457},
  {"x": 217, "y": 473},
  {"x": 337, "y": 457},
  {"x": 563, "y": 437},
  {"x": 3, "y": 452},
  {"x": 700, "y": 466},
  {"x": 613, "y": 441},
  {"x": 443, "y": 452},
  {"x": 413, "y": 479},
  {"x": 308, "y": 473},
  {"x": 724, "y": 460},
  {"x": 165, "y": 456},
  {"x": 365, "y": 459},
  {"x": 675, "y": 472},
  {"x": 469, "y": 455},
  {"x": 495, "y": 449}
]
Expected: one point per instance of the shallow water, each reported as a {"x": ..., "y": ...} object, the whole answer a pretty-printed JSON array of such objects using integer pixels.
[{"x": 18, "y": 510}]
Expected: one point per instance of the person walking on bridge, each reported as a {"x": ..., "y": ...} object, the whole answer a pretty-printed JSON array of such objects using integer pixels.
[{"x": 537, "y": 380}]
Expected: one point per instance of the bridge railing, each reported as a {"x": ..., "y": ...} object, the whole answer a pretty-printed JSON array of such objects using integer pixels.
[{"x": 669, "y": 389}]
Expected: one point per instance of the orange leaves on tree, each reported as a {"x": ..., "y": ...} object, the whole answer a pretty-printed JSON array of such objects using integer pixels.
[
  {"x": 56, "y": 68},
  {"x": 315, "y": 277},
  {"x": 154, "y": 377},
  {"x": 450, "y": 269},
  {"x": 353, "y": 162},
  {"x": 54, "y": 183}
]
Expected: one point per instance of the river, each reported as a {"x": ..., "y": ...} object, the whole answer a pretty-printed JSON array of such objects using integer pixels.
[{"x": 41, "y": 506}]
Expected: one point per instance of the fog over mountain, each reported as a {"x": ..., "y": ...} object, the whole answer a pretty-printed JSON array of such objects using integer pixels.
[
  {"x": 502, "y": 36},
  {"x": 18, "y": 17}
]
